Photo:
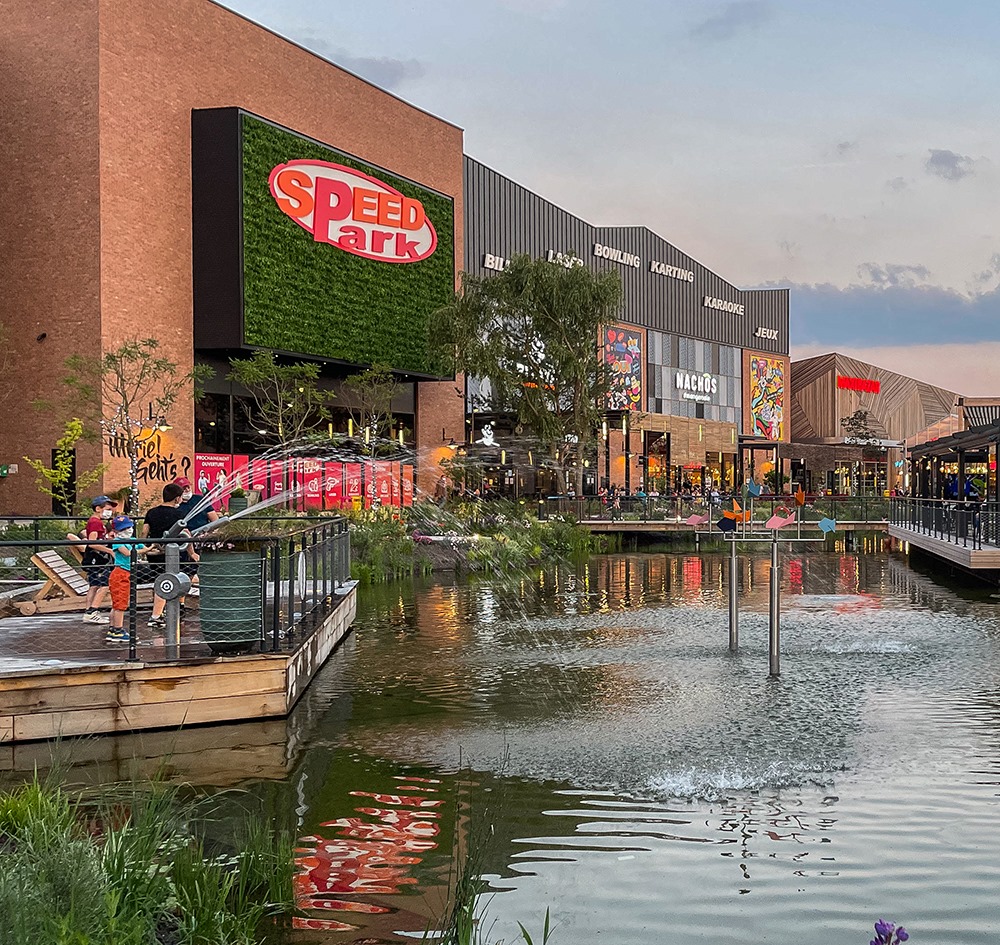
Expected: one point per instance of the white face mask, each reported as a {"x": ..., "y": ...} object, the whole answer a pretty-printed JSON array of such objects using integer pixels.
[
  {"x": 128, "y": 533},
  {"x": 186, "y": 495},
  {"x": 107, "y": 513}
]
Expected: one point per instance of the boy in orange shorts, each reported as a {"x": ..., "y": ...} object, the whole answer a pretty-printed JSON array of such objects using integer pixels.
[{"x": 120, "y": 581}]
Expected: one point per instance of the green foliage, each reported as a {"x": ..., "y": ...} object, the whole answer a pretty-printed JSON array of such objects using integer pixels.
[
  {"x": 287, "y": 397},
  {"x": 361, "y": 310},
  {"x": 533, "y": 330},
  {"x": 131, "y": 869},
  {"x": 58, "y": 481},
  {"x": 381, "y": 546}
]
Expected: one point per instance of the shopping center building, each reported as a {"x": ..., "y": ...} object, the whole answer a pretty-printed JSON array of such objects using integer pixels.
[
  {"x": 158, "y": 161},
  {"x": 893, "y": 411},
  {"x": 178, "y": 172},
  {"x": 699, "y": 366}
]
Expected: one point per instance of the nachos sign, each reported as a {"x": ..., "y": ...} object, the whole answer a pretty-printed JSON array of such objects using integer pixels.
[{"x": 353, "y": 211}]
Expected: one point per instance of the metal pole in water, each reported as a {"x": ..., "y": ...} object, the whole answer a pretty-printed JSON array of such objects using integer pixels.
[
  {"x": 734, "y": 603},
  {"x": 774, "y": 626}
]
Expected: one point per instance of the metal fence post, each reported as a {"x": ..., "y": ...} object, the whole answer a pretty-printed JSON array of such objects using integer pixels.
[
  {"x": 291, "y": 587},
  {"x": 132, "y": 602},
  {"x": 274, "y": 550}
]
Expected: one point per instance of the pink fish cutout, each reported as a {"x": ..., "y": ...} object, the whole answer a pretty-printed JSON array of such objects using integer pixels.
[
  {"x": 697, "y": 520},
  {"x": 778, "y": 521}
]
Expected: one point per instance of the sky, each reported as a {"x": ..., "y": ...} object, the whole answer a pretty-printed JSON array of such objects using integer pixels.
[{"x": 848, "y": 150}]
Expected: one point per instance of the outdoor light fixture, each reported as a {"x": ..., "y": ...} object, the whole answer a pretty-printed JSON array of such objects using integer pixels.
[
  {"x": 350, "y": 427},
  {"x": 503, "y": 457},
  {"x": 162, "y": 425},
  {"x": 452, "y": 444},
  {"x": 604, "y": 429},
  {"x": 262, "y": 432},
  {"x": 368, "y": 435},
  {"x": 400, "y": 436},
  {"x": 624, "y": 422}
]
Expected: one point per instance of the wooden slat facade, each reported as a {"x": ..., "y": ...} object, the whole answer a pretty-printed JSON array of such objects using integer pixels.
[{"x": 903, "y": 406}]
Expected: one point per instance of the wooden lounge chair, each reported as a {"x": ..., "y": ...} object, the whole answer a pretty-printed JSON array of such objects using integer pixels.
[{"x": 65, "y": 588}]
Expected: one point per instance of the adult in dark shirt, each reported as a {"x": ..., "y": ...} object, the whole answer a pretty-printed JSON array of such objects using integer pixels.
[
  {"x": 155, "y": 524},
  {"x": 189, "y": 501}
]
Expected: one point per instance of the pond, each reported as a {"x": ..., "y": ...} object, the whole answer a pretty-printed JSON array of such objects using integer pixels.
[{"x": 586, "y": 740}]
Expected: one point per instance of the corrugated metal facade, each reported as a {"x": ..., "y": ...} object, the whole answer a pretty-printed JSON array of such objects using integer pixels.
[{"x": 503, "y": 219}]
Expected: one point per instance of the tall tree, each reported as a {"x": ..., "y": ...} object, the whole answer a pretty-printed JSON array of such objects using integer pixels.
[
  {"x": 287, "y": 398},
  {"x": 533, "y": 330},
  {"x": 372, "y": 392},
  {"x": 132, "y": 388}
]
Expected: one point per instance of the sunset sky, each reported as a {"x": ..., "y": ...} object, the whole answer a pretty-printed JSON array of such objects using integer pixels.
[{"x": 844, "y": 150}]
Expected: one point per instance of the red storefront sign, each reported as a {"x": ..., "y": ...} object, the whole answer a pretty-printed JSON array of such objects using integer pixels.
[
  {"x": 333, "y": 485},
  {"x": 310, "y": 481},
  {"x": 863, "y": 384},
  {"x": 407, "y": 485},
  {"x": 352, "y": 474},
  {"x": 353, "y": 211}
]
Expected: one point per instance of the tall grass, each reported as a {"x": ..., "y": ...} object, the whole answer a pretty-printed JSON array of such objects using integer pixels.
[{"x": 131, "y": 868}]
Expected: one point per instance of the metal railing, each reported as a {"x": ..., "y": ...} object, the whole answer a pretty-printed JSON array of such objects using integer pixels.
[
  {"x": 968, "y": 523},
  {"x": 293, "y": 581},
  {"x": 866, "y": 510}
]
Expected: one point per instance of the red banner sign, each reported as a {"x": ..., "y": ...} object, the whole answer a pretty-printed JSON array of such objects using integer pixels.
[{"x": 863, "y": 384}]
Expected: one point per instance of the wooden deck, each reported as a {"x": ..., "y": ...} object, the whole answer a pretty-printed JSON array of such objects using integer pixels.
[
  {"x": 97, "y": 694},
  {"x": 639, "y": 526},
  {"x": 984, "y": 559}
]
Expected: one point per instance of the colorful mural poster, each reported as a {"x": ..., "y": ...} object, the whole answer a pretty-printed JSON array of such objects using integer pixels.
[
  {"x": 623, "y": 357},
  {"x": 766, "y": 397},
  {"x": 219, "y": 469}
]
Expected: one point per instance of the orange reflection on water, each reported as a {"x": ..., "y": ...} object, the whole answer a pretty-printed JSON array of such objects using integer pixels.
[{"x": 369, "y": 854}]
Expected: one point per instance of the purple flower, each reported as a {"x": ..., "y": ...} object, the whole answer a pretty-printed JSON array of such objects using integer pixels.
[
  {"x": 884, "y": 929},
  {"x": 886, "y": 933}
]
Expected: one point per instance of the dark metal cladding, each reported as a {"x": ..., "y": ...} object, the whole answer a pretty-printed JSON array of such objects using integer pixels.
[{"x": 503, "y": 219}]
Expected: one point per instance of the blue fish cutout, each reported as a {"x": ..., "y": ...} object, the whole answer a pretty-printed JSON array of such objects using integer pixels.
[
  {"x": 827, "y": 525},
  {"x": 753, "y": 489},
  {"x": 726, "y": 524}
]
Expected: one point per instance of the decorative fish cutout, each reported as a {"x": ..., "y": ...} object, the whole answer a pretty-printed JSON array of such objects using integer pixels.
[
  {"x": 800, "y": 497},
  {"x": 726, "y": 524},
  {"x": 779, "y": 521},
  {"x": 697, "y": 519},
  {"x": 753, "y": 489},
  {"x": 827, "y": 525}
]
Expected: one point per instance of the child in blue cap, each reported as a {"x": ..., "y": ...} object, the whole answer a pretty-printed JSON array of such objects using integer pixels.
[{"x": 120, "y": 581}]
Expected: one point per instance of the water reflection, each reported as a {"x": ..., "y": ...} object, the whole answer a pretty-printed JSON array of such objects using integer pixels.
[{"x": 644, "y": 783}]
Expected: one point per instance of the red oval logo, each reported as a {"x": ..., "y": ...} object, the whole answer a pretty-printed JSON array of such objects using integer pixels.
[{"x": 352, "y": 211}]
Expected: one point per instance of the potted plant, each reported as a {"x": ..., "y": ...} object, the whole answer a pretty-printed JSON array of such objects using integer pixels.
[{"x": 238, "y": 501}]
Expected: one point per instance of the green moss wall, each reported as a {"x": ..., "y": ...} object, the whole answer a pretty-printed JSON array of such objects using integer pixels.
[{"x": 311, "y": 298}]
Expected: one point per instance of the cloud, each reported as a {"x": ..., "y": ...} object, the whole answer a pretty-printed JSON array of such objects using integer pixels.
[
  {"x": 893, "y": 274},
  {"x": 897, "y": 184},
  {"x": 949, "y": 165},
  {"x": 542, "y": 9},
  {"x": 383, "y": 71},
  {"x": 897, "y": 315},
  {"x": 733, "y": 19}
]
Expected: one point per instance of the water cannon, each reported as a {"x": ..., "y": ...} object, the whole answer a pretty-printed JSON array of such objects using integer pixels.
[{"x": 201, "y": 529}]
